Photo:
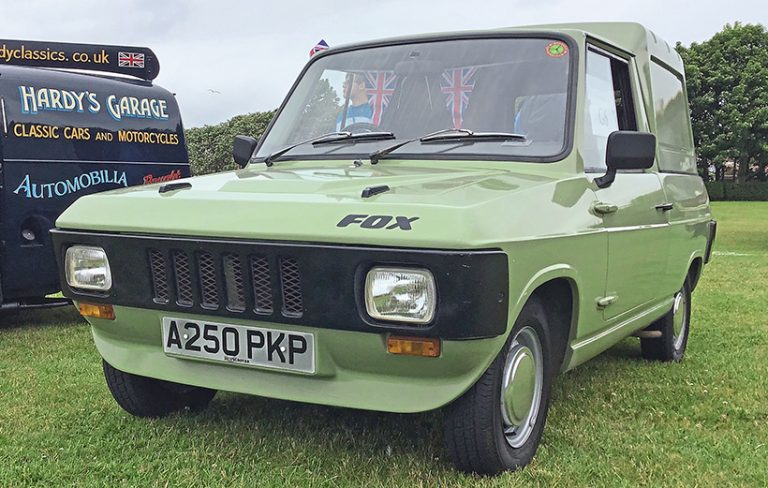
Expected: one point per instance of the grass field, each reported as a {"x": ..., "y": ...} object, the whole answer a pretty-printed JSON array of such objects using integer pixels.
[{"x": 616, "y": 421}]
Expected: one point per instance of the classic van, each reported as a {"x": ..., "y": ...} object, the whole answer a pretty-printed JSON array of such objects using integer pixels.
[
  {"x": 434, "y": 222},
  {"x": 68, "y": 131}
]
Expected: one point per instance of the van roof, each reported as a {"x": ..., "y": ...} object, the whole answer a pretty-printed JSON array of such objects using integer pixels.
[{"x": 628, "y": 36}]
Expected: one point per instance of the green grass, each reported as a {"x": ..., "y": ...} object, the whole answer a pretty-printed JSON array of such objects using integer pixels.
[{"x": 616, "y": 421}]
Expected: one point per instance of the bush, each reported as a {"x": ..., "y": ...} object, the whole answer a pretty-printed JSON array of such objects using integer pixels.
[
  {"x": 730, "y": 190},
  {"x": 210, "y": 147}
]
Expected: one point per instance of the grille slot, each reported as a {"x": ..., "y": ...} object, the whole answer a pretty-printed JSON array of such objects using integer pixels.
[
  {"x": 290, "y": 283},
  {"x": 209, "y": 292},
  {"x": 159, "y": 276},
  {"x": 233, "y": 277},
  {"x": 184, "y": 295},
  {"x": 262, "y": 285}
]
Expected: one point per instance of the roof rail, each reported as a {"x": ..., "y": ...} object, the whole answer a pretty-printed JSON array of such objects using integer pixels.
[{"x": 140, "y": 62}]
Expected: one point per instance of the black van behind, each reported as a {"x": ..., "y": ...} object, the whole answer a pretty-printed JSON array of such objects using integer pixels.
[{"x": 65, "y": 132}]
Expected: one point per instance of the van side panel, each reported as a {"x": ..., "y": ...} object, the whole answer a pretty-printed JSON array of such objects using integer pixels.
[{"x": 67, "y": 135}]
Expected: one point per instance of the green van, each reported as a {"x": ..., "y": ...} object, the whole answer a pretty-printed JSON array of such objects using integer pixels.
[{"x": 434, "y": 222}]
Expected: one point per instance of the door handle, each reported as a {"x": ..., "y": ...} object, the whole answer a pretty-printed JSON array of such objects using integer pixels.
[
  {"x": 604, "y": 208},
  {"x": 665, "y": 207}
]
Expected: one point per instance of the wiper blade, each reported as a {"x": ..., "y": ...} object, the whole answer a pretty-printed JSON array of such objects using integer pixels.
[
  {"x": 358, "y": 136},
  {"x": 447, "y": 135}
]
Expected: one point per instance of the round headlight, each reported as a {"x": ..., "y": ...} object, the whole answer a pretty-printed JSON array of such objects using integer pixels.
[
  {"x": 87, "y": 268},
  {"x": 400, "y": 295}
]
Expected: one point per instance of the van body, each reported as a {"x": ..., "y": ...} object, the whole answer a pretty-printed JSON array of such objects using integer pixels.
[
  {"x": 441, "y": 221},
  {"x": 65, "y": 134}
]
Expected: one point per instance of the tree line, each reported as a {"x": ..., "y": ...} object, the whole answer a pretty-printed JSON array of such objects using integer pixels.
[{"x": 727, "y": 84}]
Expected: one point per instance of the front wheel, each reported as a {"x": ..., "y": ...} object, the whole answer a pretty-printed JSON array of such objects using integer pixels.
[
  {"x": 148, "y": 397},
  {"x": 497, "y": 425},
  {"x": 674, "y": 328}
]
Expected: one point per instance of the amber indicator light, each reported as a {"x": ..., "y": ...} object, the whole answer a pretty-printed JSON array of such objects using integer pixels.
[
  {"x": 414, "y": 346},
  {"x": 97, "y": 311}
]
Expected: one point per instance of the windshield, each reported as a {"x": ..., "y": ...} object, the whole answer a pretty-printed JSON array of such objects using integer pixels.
[{"x": 513, "y": 85}]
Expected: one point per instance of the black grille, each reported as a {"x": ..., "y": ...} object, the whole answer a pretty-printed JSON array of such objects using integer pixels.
[
  {"x": 237, "y": 282},
  {"x": 209, "y": 292},
  {"x": 233, "y": 276},
  {"x": 262, "y": 285},
  {"x": 159, "y": 276},
  {"x": 184, "y": 296},
  {"x": 290, "y": 281}
]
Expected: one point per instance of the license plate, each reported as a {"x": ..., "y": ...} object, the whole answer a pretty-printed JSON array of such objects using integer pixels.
[{"x": 239, "y": 345}]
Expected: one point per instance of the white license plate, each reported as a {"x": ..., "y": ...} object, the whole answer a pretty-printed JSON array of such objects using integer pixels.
[{"x": 239, "y": 345}]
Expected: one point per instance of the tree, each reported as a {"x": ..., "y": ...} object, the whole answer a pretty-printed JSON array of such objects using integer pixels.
[
  {"x": 210, "y": 147},
  {"x": 727, "y": 81}
]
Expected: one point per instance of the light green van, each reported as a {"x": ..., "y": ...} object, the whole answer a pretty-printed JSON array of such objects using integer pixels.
[{"x": 442, "y": 221}]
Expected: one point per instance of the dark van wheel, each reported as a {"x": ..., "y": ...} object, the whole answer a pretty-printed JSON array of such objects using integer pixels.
[
  {"x": 674, "y": 328},
  {"x": 497, "y": 424},
  {"x": 148, "y": 397}
]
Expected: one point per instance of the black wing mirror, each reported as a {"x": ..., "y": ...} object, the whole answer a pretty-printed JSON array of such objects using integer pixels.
[
  {"x": 627, "y": 149},
  {"x": 243, "y": 148}
]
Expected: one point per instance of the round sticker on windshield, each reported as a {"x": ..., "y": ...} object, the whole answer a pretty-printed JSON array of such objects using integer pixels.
[{"x": 557, "y": 49}]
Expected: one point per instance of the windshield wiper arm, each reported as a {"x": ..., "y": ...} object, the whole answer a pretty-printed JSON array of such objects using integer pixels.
[
  {"x": 447, "y": 135},
  {"x": 268, "y": 159},
  {"x": 330, "y": 138}
]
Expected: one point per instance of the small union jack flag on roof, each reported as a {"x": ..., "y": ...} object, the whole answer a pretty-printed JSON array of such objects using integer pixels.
[
  {"x": 130, "y": 60},
  {"x": 320, "y": 46},
  {"x": 457, "y": 84},
  {"x": 379, "y": 86}
]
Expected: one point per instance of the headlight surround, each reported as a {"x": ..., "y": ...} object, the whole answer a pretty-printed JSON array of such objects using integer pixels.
[
  {"x": 87, "y": 268},
  {"x": 400, "y": 295}
]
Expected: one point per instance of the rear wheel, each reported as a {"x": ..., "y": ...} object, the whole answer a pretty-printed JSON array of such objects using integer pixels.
[
  {"x": 674, "y": 328},
  {"x": 497, "y": 425},
  {"x": 148, "y": 397}
]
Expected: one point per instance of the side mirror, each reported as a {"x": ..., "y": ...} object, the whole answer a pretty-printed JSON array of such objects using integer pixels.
[
  {"x": 243, "y": 148},
  {"x": 627, "y": 149}
]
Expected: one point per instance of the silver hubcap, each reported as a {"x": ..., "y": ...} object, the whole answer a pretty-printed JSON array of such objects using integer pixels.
[
  {"x": 521, "y": 386},
  {"x": 679, "y": 319}
]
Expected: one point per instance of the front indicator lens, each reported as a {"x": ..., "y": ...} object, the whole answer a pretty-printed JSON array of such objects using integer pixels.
[
  {"x": 414, "y": 346},
  {"x": 96, "y": 311},
  {"x": 400, "y": 295},
  {"x": 87, "y": 268}
]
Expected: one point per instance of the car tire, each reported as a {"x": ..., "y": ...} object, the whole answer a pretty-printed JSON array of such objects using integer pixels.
[
  {"x": 675, "y": 327},
  {"x": 147, "y": 397},
  {"x": 493, "y": 428}
]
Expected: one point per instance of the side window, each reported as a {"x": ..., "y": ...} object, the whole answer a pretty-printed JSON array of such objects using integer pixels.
[
  {"x": 609, "y": 105},
  {"x": 673, "y": 124}
]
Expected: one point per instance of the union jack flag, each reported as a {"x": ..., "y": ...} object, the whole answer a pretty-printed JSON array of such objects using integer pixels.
[
  {"x": 320, "y": 46},
  {"x": 457, "y": 84},
  {"x": 379, "y": 86},
  {"x": 130, "y": 60}
]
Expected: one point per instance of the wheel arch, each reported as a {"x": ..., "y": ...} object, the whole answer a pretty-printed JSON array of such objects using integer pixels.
[{"x": 557, "y": 287}]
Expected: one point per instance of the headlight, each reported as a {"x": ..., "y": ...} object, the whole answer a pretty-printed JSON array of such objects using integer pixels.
[
  {"x": 87, "y": 268},
  {"x": 400, "y": 295}
]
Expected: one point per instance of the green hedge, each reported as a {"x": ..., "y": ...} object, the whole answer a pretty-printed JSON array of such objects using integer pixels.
[
  {"x": 210, "y": 147},
  {"x": 730, "y": 190}
]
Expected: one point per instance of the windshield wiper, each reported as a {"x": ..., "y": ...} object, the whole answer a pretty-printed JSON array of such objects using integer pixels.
[
  {"x": 448, "y": 135},
  {"x": 329, "y": 138}
]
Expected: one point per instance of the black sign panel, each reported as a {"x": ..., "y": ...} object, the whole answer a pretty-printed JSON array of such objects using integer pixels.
[{"x": 140, "y": 62}]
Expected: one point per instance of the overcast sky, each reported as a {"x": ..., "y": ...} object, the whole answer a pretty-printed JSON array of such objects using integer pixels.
[{"x": 252, "y": 51}]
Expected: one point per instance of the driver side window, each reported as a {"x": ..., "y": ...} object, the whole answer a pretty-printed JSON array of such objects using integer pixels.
[{"x": 609, "y": 105}]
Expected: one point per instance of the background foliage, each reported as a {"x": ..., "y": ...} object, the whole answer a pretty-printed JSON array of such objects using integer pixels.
[{"x": 210, "y": 146}]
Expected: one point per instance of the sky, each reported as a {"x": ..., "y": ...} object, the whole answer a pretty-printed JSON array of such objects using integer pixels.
[{"x": 229, "y": 57}]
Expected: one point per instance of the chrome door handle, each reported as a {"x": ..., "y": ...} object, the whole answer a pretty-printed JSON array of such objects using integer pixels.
[
  {"x": 665, "y": 207},
  {"x": 604, "y": 208}
]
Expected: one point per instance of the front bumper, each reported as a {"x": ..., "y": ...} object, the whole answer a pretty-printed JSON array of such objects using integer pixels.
[{"x": 353, "y": 370}]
